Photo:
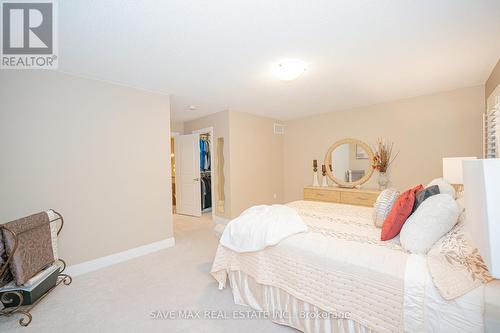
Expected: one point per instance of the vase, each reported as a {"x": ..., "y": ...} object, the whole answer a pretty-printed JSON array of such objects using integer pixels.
[
  {"x": 324, "y": 181},
  {"x": 383, "y": 180},
  {"x": 315, "y": 179}
]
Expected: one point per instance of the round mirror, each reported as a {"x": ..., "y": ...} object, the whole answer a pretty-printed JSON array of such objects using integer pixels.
[{"x": 348, "y": 162}]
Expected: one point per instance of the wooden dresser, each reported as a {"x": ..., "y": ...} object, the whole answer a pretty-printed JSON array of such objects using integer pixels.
[{"x": 350, "y": 196}]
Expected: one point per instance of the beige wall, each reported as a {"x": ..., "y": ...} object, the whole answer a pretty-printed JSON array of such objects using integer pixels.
[
  {"x": 177, "y": 126},
  {"x": 256, "y": 162},
  {"x": 424, "y": 129},
  {"x": 493, "y": 81},
  {"x": 253, "y": 157},
  {"x": 96, "y": 152},
  {"x": 220, "y": 123}
]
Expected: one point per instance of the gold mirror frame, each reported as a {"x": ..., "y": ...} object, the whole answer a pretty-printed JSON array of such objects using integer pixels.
[{"x": 328, "y": 162}]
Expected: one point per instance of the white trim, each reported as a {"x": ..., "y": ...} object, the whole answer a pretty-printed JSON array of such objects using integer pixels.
[
  {"x": 220, "y": 220},
  {"x": 212, "y": 150},
  {"x": 93, "y": 265}
]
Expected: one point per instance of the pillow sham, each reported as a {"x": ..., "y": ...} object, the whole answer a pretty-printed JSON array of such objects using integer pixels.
[
  {"x": 455, "y": 264},
  {"x": 432, "y": 220},
  {"x": 383, "y": 206},
  {"x": 424, "y": 194},
  {"x": 444, "y": 186},
  {"x": 400, "y": 211}
]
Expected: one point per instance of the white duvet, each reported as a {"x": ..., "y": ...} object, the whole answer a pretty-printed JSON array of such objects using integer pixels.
[
  {"x": 261, "y": 226},
  {"x": 343, "y": 240}
]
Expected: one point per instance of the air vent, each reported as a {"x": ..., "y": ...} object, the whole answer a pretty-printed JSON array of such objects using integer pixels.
[{"x": 279, "y": 129}]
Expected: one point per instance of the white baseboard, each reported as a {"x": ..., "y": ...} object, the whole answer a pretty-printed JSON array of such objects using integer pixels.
[
  {"x": 93, "y": 265},
  {"x": 220, "y": 220}
]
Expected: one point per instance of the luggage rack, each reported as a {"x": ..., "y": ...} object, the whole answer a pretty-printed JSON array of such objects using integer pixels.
[{"x": 11, "y": 296}]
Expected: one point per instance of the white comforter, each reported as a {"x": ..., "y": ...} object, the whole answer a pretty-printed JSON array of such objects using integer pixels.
[
  {"x": 332, "y": 266},
  {"x": 261, "y": 226}
]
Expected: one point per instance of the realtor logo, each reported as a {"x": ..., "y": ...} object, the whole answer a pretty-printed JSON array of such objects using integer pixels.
[{"x": 29, "y": 38}]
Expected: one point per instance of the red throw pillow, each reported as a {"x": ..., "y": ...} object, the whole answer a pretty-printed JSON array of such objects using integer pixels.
[{"x": 400, "y": 211}]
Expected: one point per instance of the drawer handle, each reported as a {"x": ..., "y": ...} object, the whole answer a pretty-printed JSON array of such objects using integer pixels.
[
  {"x": 320, "y": 195},
  {"x": 363, "y": 198}
]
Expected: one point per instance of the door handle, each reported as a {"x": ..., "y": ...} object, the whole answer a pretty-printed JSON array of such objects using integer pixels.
[{"x": 196, "y": 179}]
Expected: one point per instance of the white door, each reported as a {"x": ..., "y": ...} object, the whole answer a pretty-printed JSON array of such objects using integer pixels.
[{"x": 187, "y": 174}]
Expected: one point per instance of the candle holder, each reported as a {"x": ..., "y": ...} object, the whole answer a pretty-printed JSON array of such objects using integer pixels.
[
  {"x": 325, "y": 179},
  {"x": 315, "y": 173}
]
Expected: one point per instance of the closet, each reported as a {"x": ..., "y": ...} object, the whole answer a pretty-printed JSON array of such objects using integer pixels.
[
  {"x": 206, "y": 172},
  {"x": 193, "y": 162}
]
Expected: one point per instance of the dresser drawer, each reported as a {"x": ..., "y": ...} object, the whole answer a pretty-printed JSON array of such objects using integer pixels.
[
  {"x": 321, "y": 195},
  {"x": 360, "y": 199}
]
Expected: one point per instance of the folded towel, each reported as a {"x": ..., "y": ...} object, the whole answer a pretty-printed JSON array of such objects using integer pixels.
[
  {"x": 261, "y": 226},
  {"x": 5, "y": 275},
  {"x": 34, "y": 251}
]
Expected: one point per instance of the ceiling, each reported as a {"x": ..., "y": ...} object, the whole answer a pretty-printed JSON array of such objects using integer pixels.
[{"x": 216, "y": 54}]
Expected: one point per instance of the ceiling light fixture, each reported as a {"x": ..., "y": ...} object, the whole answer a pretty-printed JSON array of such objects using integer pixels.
[{"x": 288, "y": 69}]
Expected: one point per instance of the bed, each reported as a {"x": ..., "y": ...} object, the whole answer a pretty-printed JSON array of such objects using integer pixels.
[{"x": 339, "y": 277}]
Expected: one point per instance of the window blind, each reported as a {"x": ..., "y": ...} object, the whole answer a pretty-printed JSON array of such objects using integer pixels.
[{"x": 491, "y": 131}]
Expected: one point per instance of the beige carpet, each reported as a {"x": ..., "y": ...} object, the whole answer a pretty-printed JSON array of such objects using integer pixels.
[{"x": 122, "y": 297}]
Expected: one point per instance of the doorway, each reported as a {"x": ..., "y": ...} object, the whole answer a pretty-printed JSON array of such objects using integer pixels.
[{"x": 194, "y": 173}]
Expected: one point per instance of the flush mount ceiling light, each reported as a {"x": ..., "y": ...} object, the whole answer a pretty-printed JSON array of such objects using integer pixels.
[{"x": 288, "y": 69}]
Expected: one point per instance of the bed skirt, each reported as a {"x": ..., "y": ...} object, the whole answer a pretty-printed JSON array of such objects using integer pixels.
[{"x": 285, "y": 309}]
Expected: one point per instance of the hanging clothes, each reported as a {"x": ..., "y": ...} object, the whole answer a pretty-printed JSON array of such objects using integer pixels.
[
  {"x": 203, "y": 192},
  {"x": 205, "y": 174},
  {"x": 206, "y": 191},
  {"x": 207, "y": 158},
  {"x": 204, "y": 154}
]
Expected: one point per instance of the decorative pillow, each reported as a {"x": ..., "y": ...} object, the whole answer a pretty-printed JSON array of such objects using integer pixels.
[
  {"x": 399, "y": 213},
  {"x": 431, "y": 221},
  {"x": 455, "y": 264},
  {"x": 424, "y": 194},
  {"x": 34, "y": 250},
  {"x": 444, "y": 186},
  {"x": 383, "y": 205}
]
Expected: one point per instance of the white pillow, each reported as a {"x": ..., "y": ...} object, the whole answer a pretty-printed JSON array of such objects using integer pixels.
[
  {"x": 383, "y": 206},
  {"x": 431, "y": 221},
  {"x": 444, "y": 186}
]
